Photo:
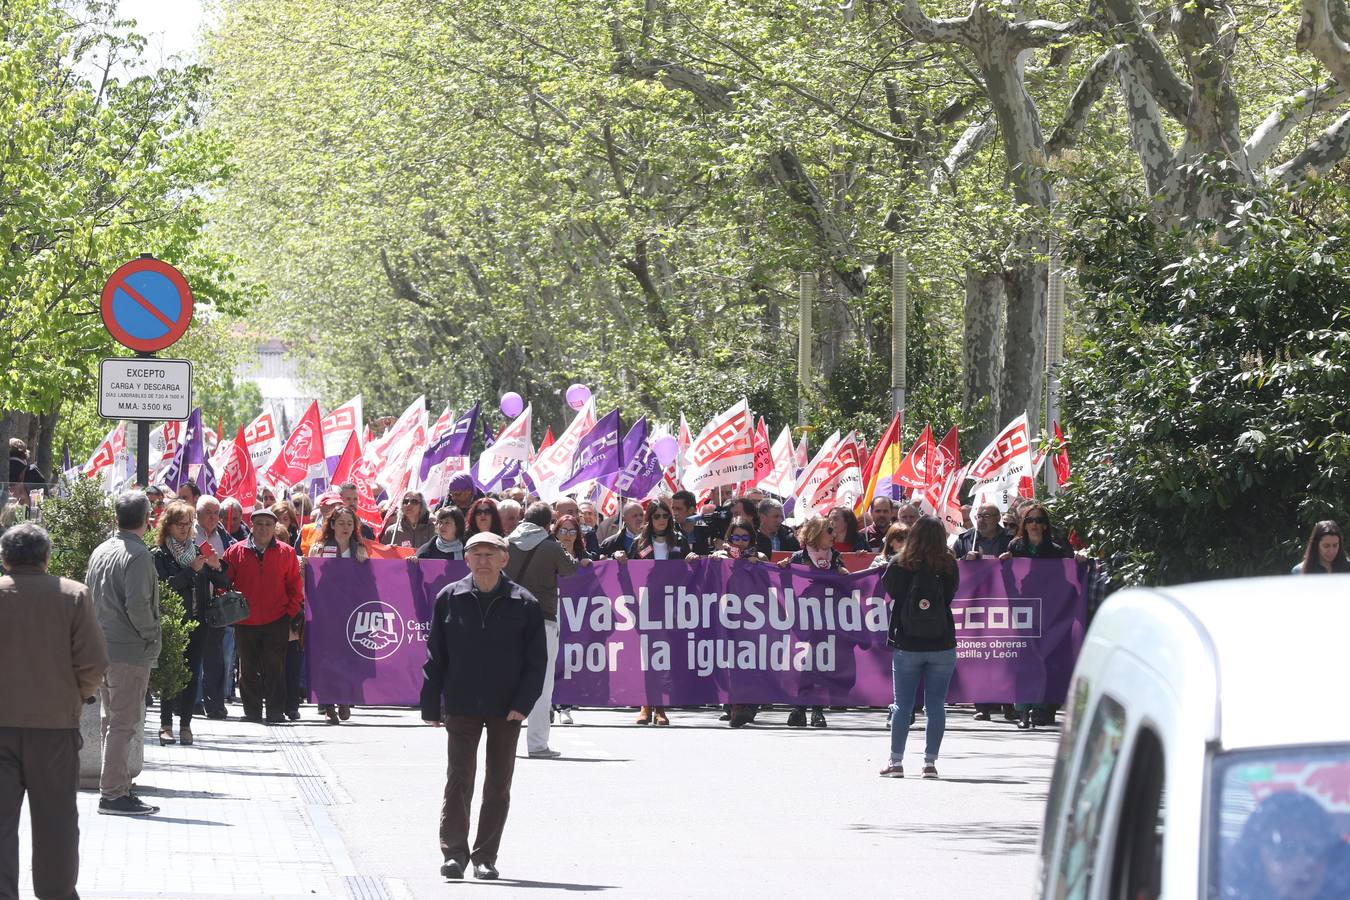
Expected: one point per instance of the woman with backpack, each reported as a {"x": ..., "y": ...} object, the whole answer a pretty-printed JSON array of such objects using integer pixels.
[{"x": 921, "y": 582}]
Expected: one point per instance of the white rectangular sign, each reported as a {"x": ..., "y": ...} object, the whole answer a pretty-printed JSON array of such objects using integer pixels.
[{"x": 145, "y": 389}]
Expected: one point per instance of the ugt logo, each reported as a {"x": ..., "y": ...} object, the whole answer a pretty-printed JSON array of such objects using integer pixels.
[{"x": 375, "y": 629}]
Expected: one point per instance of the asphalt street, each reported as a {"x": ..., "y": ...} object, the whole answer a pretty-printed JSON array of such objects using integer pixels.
[{"x": 698, "y": 809}]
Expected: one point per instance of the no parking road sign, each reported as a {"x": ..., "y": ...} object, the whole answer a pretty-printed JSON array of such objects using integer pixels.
[{"x": 146, "y": 305}]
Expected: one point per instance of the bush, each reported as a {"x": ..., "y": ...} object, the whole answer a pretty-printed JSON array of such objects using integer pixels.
[
  {"x": 78, "y": 522},
  {"x": 1207, "y": 403},
  {"x": 171, "y": 675}
]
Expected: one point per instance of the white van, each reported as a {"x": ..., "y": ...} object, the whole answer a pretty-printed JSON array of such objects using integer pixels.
[{"x": 1206, "y": 747}]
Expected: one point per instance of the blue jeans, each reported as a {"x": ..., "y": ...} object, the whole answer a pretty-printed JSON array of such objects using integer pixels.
[{"x": 935, "y": 668}]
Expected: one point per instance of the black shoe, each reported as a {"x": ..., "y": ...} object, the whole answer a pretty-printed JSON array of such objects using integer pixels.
[
  {"x": 199, "y": 710},
  {"x": 797, "y": 718},
  {"x": 817, "y": 719},
  {"x": 981, "y": 716},
  {"x": 126, "y": 806},
  {"x": 452, "y": 869},
  {"x": 274, "y": 719},
  {"x": 219, "y": 715},
  {"x": 293, "y": 715},
  {"x": 256, "y": 720},
  {"x": 1025, "y": 722},
  {"x": 485, "y": 871},
  {"x": 724, "y": 717}
]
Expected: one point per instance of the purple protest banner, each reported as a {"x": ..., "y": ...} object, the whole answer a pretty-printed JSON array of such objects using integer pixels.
[{"x": 713, "y": 631}]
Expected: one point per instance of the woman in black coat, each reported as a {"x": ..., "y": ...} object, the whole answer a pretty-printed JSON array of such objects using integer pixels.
[{"x": 194, "y": 577}]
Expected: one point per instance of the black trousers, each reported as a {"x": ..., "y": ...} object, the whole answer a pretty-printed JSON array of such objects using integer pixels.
[
  {"x": 186, "y": 700},
  {"x": 44, "y": 763},
  {"x": 213, "y": 670},
  {"x": 262, "y": 667},
  {"x": 463, "y": 734},
  {"x": 295, "y": 664}
]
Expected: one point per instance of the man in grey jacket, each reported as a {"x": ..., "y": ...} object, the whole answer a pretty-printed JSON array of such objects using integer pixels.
[
  {"x": 125, "y": 590},
  {"x": 537, "y": 562}
]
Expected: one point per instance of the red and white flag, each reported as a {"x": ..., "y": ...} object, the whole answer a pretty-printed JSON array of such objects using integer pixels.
[
  {"x": 356, "y": 468},
  {"x": 723, "y": 452},
  {"x": 813, "y": 476},
  {"x": 915, "y": 469},
  {"x": 513, "y": 445},
  {"x": 553, "y": 466},
  {"x": 441, "y": 425},
  {"x": 763, "y": 453},
  {"x": 236, "y": 476},
  {"x": 114, "y": 443},
  {"x": 263, "y": 441},
  {"x": 843, "y": 482},
  {"x": 802, "y": 456},
  {"x": 401, "y": 430},
  {"x": 1008, "y": 456},
  {"x": 301, "y": 457},
  {"x": 341, "y": 424},
  {"x": 782, "y": 477}
]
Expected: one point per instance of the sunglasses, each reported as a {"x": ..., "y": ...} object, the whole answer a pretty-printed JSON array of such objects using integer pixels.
[
  {"x": 409, "y": 501},
  {"x": 740, "y": 538},
  {"x": 1036, "y": 520},
  {"x": 484, "y": 512}
]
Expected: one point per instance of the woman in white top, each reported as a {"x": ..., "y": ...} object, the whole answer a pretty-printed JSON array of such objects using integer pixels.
[{"x": 338, "y": 540}]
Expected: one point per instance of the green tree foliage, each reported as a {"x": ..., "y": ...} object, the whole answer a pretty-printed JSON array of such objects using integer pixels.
[
  {"x": 78, "y": 520},
  {"x": 94, "y": 170},
  {"x": 171, "y": 673},
  {"x": 1208, "y": 398}
]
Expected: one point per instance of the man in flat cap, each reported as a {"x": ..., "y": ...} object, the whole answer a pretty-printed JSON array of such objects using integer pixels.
[{"x": 486, "y": 655}]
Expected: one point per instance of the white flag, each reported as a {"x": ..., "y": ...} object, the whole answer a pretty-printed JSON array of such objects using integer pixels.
[
  {"x": 723, "y": 452},
  {"x": 552, "y": 466}
]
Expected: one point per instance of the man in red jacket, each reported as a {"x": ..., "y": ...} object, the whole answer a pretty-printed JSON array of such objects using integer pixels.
[{"x": 267, "y": 572}]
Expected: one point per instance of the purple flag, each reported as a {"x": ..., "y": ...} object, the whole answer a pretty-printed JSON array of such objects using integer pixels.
[
  {"x": 189, "y": 461},
  {"x": 641, "y": 633},
  {"x": 642, "y": 470},
  {"x": 454, "y": 442},
  {"x": 598, "y": 453}
]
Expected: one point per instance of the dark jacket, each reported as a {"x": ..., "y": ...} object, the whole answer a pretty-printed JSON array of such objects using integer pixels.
[
  {"x": 970, "y": 539},
  {"x": 679, "y": 549},
  {"x": 1047, "y": 549},
  {"x": 485, "y": 659},
  {"x": 429, "y": 550},
  {"x": 592, "y": 543},
  {"x": 897, "y": 580},
  {"x": 787, "y": 541},
  {"x": 872, "y": 537},
  {"x": 803, "y": 558},
  {"x": 613, "y": 544},
  {"x": 195, "y": 588}
]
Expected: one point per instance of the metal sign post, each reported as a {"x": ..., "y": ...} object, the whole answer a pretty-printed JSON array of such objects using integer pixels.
[{"x": 146, "y": 306}]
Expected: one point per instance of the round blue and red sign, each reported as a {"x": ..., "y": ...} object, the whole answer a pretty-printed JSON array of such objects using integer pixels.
[{"x": 146, "y": 305}]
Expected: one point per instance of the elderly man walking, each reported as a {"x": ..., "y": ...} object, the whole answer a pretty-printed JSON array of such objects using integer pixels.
[
  {"x": 486, "y": 655},
  {"x": 52, "y": 656},
  {"x": 125, "y": 590}
]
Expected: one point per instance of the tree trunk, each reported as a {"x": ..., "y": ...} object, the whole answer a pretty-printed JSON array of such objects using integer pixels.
[
  {"x": 46, "y": 440},
  {"x": 1024, "y": 284},
  {"x": 982, "y": 360}
]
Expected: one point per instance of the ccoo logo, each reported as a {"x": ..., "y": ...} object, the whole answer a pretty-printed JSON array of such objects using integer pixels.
[{"x": 375, "y": 630}]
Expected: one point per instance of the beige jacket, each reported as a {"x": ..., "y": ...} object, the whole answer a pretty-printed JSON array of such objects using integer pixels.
[{"x": 52, "y": 652}]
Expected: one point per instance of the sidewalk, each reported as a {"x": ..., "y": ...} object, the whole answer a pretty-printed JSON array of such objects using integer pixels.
[{"x": 244, "y": 813}]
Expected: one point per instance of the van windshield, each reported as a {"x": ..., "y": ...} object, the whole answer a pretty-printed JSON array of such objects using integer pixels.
[{"x": 1280, "y": 826}]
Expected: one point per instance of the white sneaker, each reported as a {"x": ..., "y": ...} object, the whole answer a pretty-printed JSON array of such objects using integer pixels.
[
  {"x": 565, "y": 716},
  {"x": 546, "y": 753}
]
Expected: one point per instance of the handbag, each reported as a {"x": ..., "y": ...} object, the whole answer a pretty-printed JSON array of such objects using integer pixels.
[{"x": 226, "y": 608}]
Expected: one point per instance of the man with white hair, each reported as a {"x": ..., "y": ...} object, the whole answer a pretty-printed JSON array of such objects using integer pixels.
[
  {"x": 218, "y": 644},
  {"x": 511, "y": 513}
]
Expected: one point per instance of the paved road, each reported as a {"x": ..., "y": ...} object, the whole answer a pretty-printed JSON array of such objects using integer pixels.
[{"x": 694, "y": 809}]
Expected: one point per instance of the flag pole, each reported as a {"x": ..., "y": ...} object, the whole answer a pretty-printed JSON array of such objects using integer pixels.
[{"x": 1054, "y": 350}]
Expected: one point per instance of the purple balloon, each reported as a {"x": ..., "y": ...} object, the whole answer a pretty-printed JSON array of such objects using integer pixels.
[
  {"x": 577, "y": 395},
  {"x": 666, "y": 449},
  {"x": 512, "y": 404}
]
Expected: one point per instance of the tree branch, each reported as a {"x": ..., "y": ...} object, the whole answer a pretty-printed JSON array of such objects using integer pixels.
[
  {"x": 1085, "y": 97},
  {"x": 674, "y": 76},
  {"x": 1329, "y": 148},
  {"x": 928, "y": 30},
  {"x": 1319, "y": 36},
  {"x": 1292, "y": 111},
  {"x": 1147, "y": 135},
  {"x": 1154, "y": 71},
  {"x": 1036, "y": 33}
]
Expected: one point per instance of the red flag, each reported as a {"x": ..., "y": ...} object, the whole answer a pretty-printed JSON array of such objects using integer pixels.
[
  {"x": 763, "y": 456},
  {"x": 302, "y": 451},
  {"x": 548, "y": 440},
  {"x": 948, "y": 458},
  {"x": 376, "y": 550},
  {"x": 357, "y": 469},
  {"x": 1061, "y": 458},
  {"x": 915, "y": 470},
  {"x": 238, "y": 478}
]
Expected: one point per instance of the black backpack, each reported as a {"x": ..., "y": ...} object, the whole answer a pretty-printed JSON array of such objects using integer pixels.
[{"x": 923, "y": 614}]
